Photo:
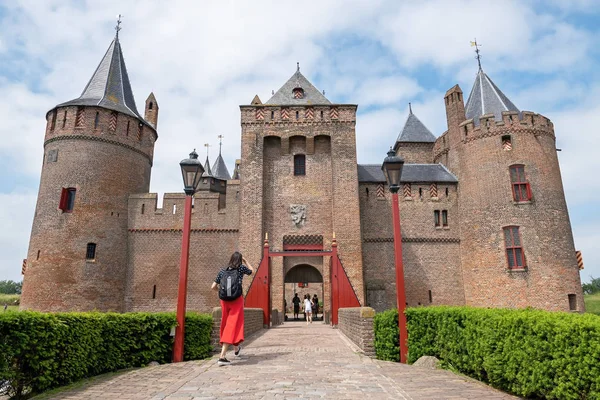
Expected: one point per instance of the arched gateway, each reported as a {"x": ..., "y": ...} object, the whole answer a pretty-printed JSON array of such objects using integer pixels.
[{"x": 341, "y": 293}]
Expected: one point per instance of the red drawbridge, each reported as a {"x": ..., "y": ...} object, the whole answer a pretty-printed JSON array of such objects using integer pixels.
[{"x": 342, "y": 292}]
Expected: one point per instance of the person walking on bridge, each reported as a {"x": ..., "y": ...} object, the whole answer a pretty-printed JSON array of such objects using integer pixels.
[
  {"x": 308, "y": 309},
  {"x": 229, "y": 284}
]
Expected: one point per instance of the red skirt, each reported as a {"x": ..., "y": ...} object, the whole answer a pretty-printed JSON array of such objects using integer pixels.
[{"x": 232, "y": 321}]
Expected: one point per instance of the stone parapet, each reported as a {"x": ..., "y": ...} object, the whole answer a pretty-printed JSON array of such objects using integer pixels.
[{"x": 357, "y": 324}]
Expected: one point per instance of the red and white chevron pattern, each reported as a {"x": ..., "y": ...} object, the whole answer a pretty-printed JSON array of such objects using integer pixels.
[
  {"x": 310, "y": 113},
  {"x": 112, "y": 124},
  {"x": 506, "y": 145},
  {"x": 406, "y": 190},
  {"x": 380, "y": 190},
  {"x": 80, "y": 117},
  {"x": 433, "y": 190},
  {"x": 260, "y": 113},
  {"x": 334, "y": 114},
  {"x": 285, "y": 113}
]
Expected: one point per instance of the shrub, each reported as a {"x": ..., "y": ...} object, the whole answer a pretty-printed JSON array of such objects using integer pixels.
[
  {"x": 385, "y": 325},
  {"x": 528, "y": 352},
  {"x": 41, "y": 351}
]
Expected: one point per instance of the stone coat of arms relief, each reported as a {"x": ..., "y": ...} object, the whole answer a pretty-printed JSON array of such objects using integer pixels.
[{"x": 298, "y": 214}]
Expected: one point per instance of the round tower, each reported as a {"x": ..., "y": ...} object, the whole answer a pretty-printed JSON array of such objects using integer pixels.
[
  {"x": 517, "y": 246},
  {"x": 97, "y": 151}
]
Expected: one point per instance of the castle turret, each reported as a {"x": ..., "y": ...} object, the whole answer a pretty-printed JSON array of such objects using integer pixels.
[
  {"x": 415, "y": 142},
  {"x": 97, "y": 151},
  {"x": 516, "y": 241},
  {"x": 151, "y": 114}
]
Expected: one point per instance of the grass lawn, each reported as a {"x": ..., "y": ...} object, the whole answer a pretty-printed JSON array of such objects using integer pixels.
[
  {"x": 11, "y": 308},
  {"x": 592, "y": 303}
]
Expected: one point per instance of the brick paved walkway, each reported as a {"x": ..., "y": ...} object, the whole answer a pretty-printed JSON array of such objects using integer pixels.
[{"x": 288, "y": 362}]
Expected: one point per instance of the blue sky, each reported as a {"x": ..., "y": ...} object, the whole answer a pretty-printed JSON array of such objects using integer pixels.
[{"x": 203, "y": 59}]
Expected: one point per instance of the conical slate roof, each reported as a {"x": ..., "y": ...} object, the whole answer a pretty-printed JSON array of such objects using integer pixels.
[
  {"x": 486, "y": 98},
  {"x": 207, "y": 172},
  {"x": 414, "y": 131},
  {"x": 219, "y": 169},
  {"x": 285, "y": 95},
  {"x": 109, "y": 87}
]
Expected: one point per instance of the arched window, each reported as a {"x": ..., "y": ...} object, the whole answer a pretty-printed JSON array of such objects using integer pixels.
[
  {"x": 520, "y": 187},
  {"x": 91, "y": 251},
  {"x": 299, "y": 164},
  {"x": 514, "y": 248}
]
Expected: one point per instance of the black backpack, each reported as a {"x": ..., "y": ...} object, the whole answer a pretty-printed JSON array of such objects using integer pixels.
[{"x": 230, "y": 288}]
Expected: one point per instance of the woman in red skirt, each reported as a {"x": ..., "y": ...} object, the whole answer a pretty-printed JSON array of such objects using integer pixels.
[{"x": 229, "y": 284}]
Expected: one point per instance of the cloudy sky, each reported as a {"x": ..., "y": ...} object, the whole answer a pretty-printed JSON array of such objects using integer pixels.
[{"x": 204, "y": 59}]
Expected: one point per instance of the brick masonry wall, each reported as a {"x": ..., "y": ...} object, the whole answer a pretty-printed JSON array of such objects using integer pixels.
[
  {"x": 105, "y": 166},
  {"x": 415, "y": 153},
  {"x": 431, "y": 256},
  {"x": 253, "y": 322},
  {"x": 357, "y": 324},
  {"x": 486, "y": 206}
]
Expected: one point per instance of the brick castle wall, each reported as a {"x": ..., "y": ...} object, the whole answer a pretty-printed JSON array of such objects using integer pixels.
[
  {"x": 430, "y": 255},
  {"x": 155, "y": 249}
]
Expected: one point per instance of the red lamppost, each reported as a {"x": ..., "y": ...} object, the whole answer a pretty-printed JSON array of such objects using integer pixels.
[
  {"x": 192, "y": 171},
  {"x": 392, "y": 168}
]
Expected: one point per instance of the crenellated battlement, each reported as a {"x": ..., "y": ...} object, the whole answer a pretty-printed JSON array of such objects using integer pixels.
[
  {"x": 278, "y": 115},
  {"x": 512, "y": 122},
  {"x": 100, "y": 124},
  {"x": 210, "y": 210}
]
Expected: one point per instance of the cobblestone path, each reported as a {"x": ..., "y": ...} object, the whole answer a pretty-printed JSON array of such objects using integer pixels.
[{"x": 288, "y": 362}]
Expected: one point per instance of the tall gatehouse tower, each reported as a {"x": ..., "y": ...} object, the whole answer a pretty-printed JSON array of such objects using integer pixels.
[
  {"x": 98, "y": 150},
  {"x": 299, "y": 182}
]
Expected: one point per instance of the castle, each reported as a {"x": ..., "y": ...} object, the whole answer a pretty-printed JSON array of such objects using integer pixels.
[{"x": 483, "y": 211}]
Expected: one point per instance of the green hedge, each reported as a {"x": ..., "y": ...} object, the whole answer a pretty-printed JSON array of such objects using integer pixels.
[
  {"x": 41, "y": 351},
  {"x": 528, "y": 352},
  {"x": 385, "y": 325}
]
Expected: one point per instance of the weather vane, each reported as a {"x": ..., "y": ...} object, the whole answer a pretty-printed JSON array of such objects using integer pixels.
[
  {"x": 478, "y": 57},
  {"x": 220, "y": 142},
  {"x": 118, "y": 27},
  {"x": 207, "y": 146}
]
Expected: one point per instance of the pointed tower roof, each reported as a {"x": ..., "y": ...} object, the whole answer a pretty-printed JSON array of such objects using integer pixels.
[
  {"x": 297, "y": 91},
  {"x": 414, "y": 131},
  {"x": 207, "y": 172},
  {"x": 486, "y": 98},
  {"x": 109, "y": 86},
  {"x": 219, "y": 169},
  {"x": 256, "y": 101}
]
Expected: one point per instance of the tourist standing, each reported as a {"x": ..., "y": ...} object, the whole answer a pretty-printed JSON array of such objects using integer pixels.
[
  {"x": 296, "y": 301},
  {"x": 308, "y": 309},
  {"x": 229, "y": 284},
  {"x": 315, "y": 306}
]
